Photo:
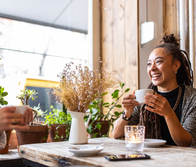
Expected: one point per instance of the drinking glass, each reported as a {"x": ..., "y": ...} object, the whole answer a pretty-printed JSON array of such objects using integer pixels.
[{"x": 134, "y": 137}]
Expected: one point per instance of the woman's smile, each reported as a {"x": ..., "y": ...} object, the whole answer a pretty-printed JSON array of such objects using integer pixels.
[
  {"x": 161, "y": 69},
  {"x": 156, "y": 76}
]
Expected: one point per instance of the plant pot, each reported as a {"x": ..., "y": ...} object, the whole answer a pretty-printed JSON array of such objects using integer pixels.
[
  {"x": 35, "y": 134},
  {"x": 45, "y": 136},
  {"x": 59, "y": 130},
  {"x": 103, "y": 131},
  {"x": 6, "y": 149}
]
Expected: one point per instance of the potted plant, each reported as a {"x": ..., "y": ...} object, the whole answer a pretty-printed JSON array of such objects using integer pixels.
[
  {"x": 8, "y": 132},
  {"x": 100, "y": 122},
  {"x": 36, "y": 132},
  {"x": 59, "y": 123},
  {"x": 40, "y": 113},
  {"x": 78, "y": 87}
]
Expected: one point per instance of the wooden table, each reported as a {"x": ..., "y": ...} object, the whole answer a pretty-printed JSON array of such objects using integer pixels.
[
  {"x": 56, "y": 154},
  {"x": 11, "y": 159}
]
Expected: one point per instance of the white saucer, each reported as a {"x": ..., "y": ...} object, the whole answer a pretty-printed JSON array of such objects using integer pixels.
[
  {"x": 85, "y": 150},
  {"x": 154, "y": 142}
]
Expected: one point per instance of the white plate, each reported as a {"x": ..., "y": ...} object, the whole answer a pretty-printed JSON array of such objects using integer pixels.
[
  {"x": 85, "y": 150},
  {"x": 154, "y": 142}
]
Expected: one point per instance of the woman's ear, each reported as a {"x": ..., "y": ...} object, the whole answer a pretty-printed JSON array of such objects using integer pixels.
[{"x": 177, "y": 65}]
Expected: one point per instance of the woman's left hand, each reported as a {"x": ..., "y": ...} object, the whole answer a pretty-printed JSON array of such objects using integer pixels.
[{"x": 158, "y": 104}]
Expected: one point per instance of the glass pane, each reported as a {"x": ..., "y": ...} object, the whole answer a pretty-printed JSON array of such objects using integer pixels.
[{"x": 30, "y": 50}]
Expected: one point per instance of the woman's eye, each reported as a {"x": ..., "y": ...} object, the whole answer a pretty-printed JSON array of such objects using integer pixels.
[
  {"x": 158, "y": 62},
  {"x": 148, "y": 64}
]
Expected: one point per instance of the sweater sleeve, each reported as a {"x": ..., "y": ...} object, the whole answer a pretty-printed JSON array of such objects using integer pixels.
[
  {"x": 135, "y": 116},
  {"x": 3, "y": 140},
  {"x": 188, "y": 119}
]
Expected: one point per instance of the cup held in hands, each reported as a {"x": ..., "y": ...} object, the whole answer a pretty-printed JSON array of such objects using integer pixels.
[
  {"x": 21, "y": 109},
  {"x": 141, "y": 93}
]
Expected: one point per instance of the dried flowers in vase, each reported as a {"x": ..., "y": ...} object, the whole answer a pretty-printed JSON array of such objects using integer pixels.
[{"x": 79, "y": 86}]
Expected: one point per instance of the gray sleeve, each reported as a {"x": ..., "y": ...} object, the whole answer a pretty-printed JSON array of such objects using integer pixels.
[
  {"x": 135, "y": 116},
  {"x": 190, "y": 125},
  {"x": 3, "y": 140},
  {"x": 188, "y": 119}
]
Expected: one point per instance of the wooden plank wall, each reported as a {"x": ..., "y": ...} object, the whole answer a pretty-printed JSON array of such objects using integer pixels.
[
  {"x": 119, "y": 39},
  {"x": 171, "y": 19}
]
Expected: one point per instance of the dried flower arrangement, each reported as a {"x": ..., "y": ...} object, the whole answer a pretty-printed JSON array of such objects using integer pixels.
[{"x": 79, "y": 86}]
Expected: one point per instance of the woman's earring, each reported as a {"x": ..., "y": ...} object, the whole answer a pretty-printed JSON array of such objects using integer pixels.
[{"x": 176, "y": 72}]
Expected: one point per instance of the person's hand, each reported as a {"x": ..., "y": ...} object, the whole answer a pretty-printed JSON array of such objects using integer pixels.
[
  {"x": 129, "y": 103},
  {"x": 158, "y": 104},
  {"x": 10, "y": 120}
]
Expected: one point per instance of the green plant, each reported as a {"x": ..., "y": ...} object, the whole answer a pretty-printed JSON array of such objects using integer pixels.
[
  {"x": 26, "y": 95},
  {"x": 39, "y": 111},
  {"x": 57, "y": 116},
  {"x": 96, "y": 110},
  {"x": 2, "y": 95}
]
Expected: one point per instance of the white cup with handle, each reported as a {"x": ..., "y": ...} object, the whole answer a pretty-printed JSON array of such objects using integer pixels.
[
  {"x": 141, "y": 93},
  {"x": 21, "y": 109}
]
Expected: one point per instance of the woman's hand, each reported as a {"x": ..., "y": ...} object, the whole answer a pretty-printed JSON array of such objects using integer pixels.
[
  {"x": 158, "y": 104},
  {"x": 129, "y": 103},
  {"x": 10, "y": 120}
]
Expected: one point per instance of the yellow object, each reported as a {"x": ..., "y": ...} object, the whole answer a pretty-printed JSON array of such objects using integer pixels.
[{"x": 14, "y": 85}]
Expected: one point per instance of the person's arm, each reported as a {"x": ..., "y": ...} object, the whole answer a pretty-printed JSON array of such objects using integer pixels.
[
  {"x": 3, "y": 140},
  {"x": 128, "y": 103},
  {"x": 159, "y": 104},
  {"x": 119, "y": 125},
  {"x": 179, "y": 135}
]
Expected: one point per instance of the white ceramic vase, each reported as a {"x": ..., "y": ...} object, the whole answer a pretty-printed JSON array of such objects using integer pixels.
[{"x": 78, "y": 134}]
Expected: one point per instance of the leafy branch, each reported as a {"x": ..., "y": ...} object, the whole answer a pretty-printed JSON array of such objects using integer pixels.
[{"x": 2, "y": 95}]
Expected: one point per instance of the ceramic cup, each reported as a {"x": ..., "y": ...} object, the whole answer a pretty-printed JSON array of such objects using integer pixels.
[
  {"x": 141, "y": 93},
  {"x": 21, "y": 109}
]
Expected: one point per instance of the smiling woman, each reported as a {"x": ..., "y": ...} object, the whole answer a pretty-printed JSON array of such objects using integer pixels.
[{"x": 170, "y": 112}]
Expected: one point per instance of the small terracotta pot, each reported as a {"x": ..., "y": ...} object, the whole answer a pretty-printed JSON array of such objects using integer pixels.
[
  {"x": 58, "y": 129},
  {"x": 35, "y": 134},
  {"x": 104, "y": 128},
  {"x": 6, "y": 149}
]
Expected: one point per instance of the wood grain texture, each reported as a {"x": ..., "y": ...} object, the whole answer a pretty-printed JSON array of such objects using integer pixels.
[
  {"x": 170, "y": 16},
  {"x": 119, "y": 42},
  {"x": 119, "y": 39},
  {"x": 52, "y": 154}
]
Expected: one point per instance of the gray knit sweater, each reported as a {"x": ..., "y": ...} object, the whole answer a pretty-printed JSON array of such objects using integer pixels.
[
  {"x": 188, "y": 116},
  {"x": 3, "y": 140}
]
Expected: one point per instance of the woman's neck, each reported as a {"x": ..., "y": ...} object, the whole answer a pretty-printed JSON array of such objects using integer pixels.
[{"x": 167, "y": 89}]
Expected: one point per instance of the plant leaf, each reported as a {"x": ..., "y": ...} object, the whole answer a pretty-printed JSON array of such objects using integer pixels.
[
  {"x": 118, "y": 106},
  {"x": 105, "y": 93},
  {"x": 122, "y": 85},
  {"x": 127, "y": 90}
]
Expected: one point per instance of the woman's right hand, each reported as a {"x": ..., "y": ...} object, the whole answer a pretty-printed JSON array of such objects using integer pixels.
[
  {"x": 129, "y": 103},
  {"x": 8, "y": 118}
]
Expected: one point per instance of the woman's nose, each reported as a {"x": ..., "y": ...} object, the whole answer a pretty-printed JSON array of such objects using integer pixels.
[{"x": 153, "y": 67}]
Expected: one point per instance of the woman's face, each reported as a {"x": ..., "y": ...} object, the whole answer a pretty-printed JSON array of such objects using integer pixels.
[{"x": 161, "y": 69}]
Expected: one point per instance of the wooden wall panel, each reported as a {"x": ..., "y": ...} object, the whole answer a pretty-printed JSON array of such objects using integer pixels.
[
  {"x": 119, "y": 39},
  {"x": 171, "y": 19},
  {"x": 170, "y": 16},
  {"x": 131, "y": 44},
  {"x": 107, "y": 22}
]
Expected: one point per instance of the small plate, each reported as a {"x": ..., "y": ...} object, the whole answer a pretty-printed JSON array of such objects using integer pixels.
[
  {"x": 154, "y": 142},
  {"x": 85, "y": 150}
]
